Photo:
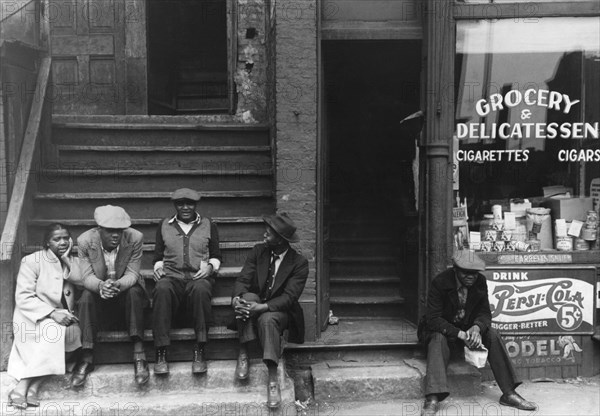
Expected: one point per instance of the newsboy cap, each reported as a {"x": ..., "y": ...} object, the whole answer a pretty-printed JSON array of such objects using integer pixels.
[
  {"x": 185, "y": 193},
  {"x": 283, "y": 225},
  {"x": 467, "y": 260},
  {"x": 109, "y": 216}
]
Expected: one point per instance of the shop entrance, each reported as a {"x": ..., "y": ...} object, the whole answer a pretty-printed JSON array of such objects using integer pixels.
[
  {"x": 370, "y": 210},
  {"x": 187, "y": 57}
]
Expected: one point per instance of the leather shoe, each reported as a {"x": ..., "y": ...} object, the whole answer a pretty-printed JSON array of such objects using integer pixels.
[
  {"x": 142, "y": 374},
  {"x": 513, "y": 399},
  {"x": 161, "y": 366},
  {"x": 199, "y": 365},
  {"x": 242, "y": 367},
  {"x": 80, "y": 372},
  {"x": 274, "y": 395},
  {"x": 430, "y": 407}
]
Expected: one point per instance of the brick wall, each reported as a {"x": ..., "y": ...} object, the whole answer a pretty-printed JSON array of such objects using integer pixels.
[{"x": 296, "y": 130}]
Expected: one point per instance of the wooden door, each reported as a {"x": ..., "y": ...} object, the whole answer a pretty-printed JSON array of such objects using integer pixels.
[{"x": 88, "y": 56}]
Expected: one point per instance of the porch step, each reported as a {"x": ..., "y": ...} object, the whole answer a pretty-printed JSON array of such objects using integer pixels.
[
  {"x": 150, "y": 131},
  {"x": 151, "y": 204},
  {"x": 338, "y": 381},
  {"x": 111, "y": 389},
  {"x": 231, "y": 229},
  {"x": 234, "y": 253},
  {"x": 164, "y": 157}
]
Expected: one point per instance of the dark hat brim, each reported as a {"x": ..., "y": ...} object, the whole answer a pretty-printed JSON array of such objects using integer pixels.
[{"x": 294, "y": 238}]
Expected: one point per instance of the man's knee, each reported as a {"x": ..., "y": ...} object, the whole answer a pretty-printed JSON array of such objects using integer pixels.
[
  {"x": 251, "y": 297},
  {"x": 201, "y": 289},
  {"x": 438, "y": 338},
  {"x": 163, "y": 288},
  {"x": 135, "y": 292}
]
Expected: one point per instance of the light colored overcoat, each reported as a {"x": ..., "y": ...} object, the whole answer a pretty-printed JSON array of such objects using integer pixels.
[{"x": 39, "y": 342}]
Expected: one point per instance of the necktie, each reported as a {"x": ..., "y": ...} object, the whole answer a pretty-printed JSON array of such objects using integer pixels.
[
  {"x": 462, "y": 301},
  {"x": 270, "y": 276}
]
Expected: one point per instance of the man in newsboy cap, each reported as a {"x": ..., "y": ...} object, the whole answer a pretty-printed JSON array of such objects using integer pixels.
[
  {"x": 186, "y": 259},
  {"x": 458, "y": 313},
  {"x": 265, "y": 299},
  {"x": 111, "y": 255}
]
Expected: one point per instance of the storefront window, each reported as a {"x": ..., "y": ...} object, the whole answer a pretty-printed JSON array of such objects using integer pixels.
[{"x": 527, "y": 112}]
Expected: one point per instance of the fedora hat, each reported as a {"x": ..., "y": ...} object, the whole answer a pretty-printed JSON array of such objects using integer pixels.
[
  {"x": 283, "y": 225},
  {"x": 467, "y": 260}
]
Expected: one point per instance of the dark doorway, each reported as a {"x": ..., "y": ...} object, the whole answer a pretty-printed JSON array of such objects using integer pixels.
[
  {"x": 187, "y": 57},
  {"x": 371, "y": 216}
]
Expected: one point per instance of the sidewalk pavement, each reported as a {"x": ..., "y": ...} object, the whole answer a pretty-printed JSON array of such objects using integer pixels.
[{"x": 572, "y": 397}]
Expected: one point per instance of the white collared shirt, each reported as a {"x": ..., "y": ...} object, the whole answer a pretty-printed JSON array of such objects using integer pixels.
[
  {"x": 278, "y": 261},
  {"x": 110, "y": 258}
]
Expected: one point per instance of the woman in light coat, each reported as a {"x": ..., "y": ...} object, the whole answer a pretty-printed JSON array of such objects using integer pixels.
[{"x": 44, "y": 324}]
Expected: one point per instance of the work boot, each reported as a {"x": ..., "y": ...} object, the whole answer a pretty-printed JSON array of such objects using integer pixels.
[
  {"x": 199, "y": 361},
  {"x": 161, "y": 366}
]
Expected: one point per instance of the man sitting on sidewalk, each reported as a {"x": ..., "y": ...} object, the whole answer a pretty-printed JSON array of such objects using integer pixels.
[{"x": 458, "y": 311}]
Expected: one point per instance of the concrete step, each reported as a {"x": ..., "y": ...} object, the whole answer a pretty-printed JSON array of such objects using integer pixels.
[
  {"x": 231, "y": 229},
  {"x": 361, "y": 286},
  {"x": 152, "y": 204},
  {"x": 163, "y": 157},
  {"x": 339, "y": 381},
  {"x": 212, "y": 179},
  {"x": 111, "y": 388},
  {"x": 149, "y": 131}
]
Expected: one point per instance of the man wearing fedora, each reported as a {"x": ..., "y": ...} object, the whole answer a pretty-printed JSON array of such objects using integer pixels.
[
  {"x": 458, "y": 313},
  {"x": 265, "y": 298},
  {"x": 186, "y": 258},
  {"x": 111, "y": 254}
]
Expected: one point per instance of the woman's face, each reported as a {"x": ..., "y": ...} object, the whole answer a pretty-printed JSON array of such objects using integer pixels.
[{"x": 58, "y": 242}]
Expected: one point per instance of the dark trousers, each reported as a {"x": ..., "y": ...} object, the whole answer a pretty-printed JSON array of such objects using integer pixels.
[
  {"x": 95, "y": 313},
  {"x": 268, "y": 326},
  {"x": 169, "y": 295},
  {"x": 438, "y": 356}
]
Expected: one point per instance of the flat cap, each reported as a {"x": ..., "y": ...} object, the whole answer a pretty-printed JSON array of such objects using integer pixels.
[
  {"x": 185, "y": 193},
  {"x": 468, "y": 260},
  {"x": 109, "y": 216}
]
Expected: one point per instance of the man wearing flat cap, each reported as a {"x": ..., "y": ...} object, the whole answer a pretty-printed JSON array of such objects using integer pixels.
[
  {"x": 186, "y": 259},
  {"x": 265, "y": 298},
  {"x": 458, "y": 313},
  {"x": 112, "y": 255}
]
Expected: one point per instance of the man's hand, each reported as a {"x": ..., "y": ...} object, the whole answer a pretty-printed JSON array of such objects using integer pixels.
[
  {"x": 109, "y": 289},
  {"x": 159, "y": 273},
  {"x": 63, "y": 317},
  {"x": 247, "y": 309},
  {"x": 462, "y": 335},
  {"x": 205, "y": 271},
  {"x": 474, "y": 338}
]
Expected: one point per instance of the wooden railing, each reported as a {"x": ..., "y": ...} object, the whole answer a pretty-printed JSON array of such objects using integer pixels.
[{"x": 25, "y": 126}]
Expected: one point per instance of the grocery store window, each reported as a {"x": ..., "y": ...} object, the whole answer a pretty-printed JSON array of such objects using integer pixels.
[{"x": 527, "y": 108}]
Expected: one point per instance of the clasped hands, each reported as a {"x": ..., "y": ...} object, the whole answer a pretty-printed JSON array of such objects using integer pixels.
[
  {"x": 472, "y": 337},
  {"x": 246, "y": 309},
  {"x": 109, "y": 288}
]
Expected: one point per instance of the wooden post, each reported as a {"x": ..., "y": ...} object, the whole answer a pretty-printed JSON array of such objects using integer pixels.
[{"x": 439, "y": 37}]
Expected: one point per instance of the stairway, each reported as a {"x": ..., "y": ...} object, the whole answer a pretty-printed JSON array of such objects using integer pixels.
[
  {"x": 136, "y": 163},
  {"x": 365, "y": 265}
]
